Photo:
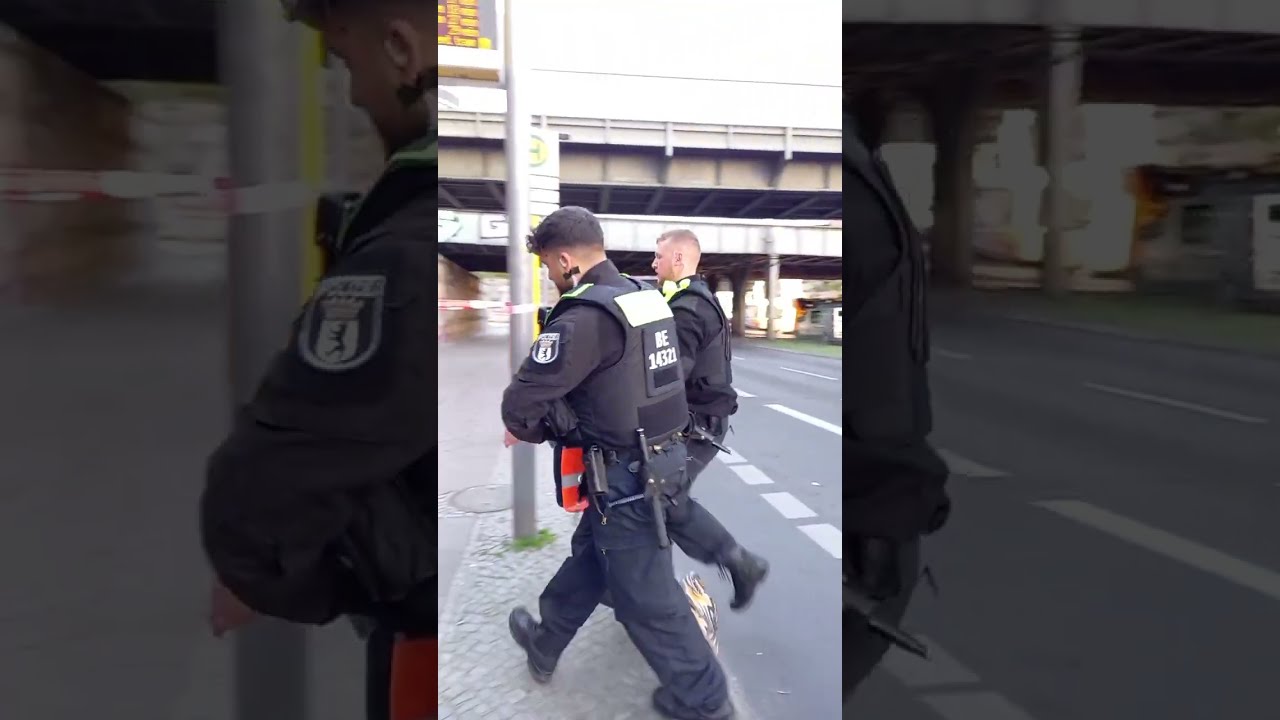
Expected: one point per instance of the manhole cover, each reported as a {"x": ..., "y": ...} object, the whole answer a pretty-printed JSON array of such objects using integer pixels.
[{"x": 482, "y": 499}]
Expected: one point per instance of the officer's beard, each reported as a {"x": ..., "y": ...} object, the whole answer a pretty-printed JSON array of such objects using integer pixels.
[{"x": 419, "y": 119}]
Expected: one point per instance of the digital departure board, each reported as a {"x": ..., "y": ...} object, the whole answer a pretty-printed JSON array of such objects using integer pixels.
[{"x": 471, "y": 24}]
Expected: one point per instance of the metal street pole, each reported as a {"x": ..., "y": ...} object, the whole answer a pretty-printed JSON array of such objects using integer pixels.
[
  {"x": 1066, "y": 67},
  {"x": 519, "y": 268},
  {"x": 260, "y": 63}
]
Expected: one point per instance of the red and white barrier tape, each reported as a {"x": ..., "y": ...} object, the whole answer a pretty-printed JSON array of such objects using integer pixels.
[
  {"x": 60, "y": 186},
  {"x": 448, "y": 304}
]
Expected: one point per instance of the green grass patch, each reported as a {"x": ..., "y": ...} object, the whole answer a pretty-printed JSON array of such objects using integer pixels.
[
  {"x": 1177, "y": 319},
  {"x": 537, "y": 541},
  {"x": 804, "y": 345}
]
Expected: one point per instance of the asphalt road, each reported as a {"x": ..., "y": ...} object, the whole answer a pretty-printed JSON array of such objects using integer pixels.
[
  {"x": 1113, "y": 552},
  {"x": 779, "y": 494}
]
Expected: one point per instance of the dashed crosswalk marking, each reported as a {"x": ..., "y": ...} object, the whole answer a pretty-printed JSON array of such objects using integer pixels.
[
  {"x": 827, "y": 536},
  {"x": 805, "y": 417},
  {"x": 751, "y": 475},
  {"x": 963, "y": 466},
  {"x": 810, "y": 374},
  {"x": 787, "y": 504},
  {"x": 1201, "y": 557}
]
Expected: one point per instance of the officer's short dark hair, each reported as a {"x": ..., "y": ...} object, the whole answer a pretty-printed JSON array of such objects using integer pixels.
[{"x": 569, "y": 228}]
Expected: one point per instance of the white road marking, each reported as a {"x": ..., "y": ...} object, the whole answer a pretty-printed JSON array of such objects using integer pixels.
[
  {"x": 788, "y": 505},
  {"x": 1171, "y": 546},
  {"x": 807, "y": 418},
  {"x": 737, "y": 357},
  {"x": 806, "y": 372},
  {"x": 968, "y": 468},
  {"x": 1180, "y": 404},
  {"x": 743, "y": 393},
  {"x": 940, "y": 669},
  {"x": 982, "y": 705},
  {"x": 731, "y": 457},
  {"x": 827, "y": 536},
  {"x": 751, "y": 475},
  {"x": 950, "y": 354}
]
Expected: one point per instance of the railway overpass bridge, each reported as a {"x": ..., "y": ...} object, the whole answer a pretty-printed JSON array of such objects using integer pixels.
[
  {"x": 613, "y": 166},
  {"x": 735, "y": 252},
  {"x": 951, "y": 61}
]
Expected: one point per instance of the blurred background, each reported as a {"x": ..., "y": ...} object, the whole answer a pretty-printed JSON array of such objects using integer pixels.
[{"x": 1098, "y": 186}]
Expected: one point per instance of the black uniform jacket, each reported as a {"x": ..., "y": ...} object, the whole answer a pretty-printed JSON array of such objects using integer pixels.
[{"x": 315, "y": 504}]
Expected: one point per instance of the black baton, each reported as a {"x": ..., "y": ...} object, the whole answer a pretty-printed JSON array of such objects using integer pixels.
[
  {"x": 653, "y": 491},
  {"x": 866, "y": 607}
]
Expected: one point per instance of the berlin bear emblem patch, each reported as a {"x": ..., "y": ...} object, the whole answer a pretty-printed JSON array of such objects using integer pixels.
[
  {"x": 342, "y": 327},
  {"x": 546, "y": 348}
]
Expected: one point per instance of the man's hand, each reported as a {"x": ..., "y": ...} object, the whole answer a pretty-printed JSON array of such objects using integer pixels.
[
  {"x": 509, "y": 440},
  {"x": 226, "y": 612}
]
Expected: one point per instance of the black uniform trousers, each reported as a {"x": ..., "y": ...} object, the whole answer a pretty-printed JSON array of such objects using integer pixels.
[
  {"x": 623, "y": 556},
  {"x": 691, "y": 526},
  {"x": 863, "y": 646}
]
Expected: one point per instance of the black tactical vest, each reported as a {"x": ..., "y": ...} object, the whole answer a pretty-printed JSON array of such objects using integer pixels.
[
  {"x": 710, "y": 382},
  {"x": 888, "y": 414},
  {"x": 643, "y": 389},
  {"x": 889, "y": 316}
]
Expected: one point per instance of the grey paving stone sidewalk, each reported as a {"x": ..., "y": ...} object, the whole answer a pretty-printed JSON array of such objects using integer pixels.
[{"x": 482, "y": 671}]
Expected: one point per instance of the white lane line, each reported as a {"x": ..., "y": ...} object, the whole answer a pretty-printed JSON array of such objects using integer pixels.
[
  {"x": 806, "y": 372},
  {"x": 827, "y": 536},
  {"x": 963, "y": 466},
  {"x": 751, "y": 475},
  {"x": 743, "y": 393},
  {"x": 940, "y": 669},
  {"x": 788, "y": 505},
  {"x": 950, "y": 354},
  {"x": 983, "y": 705},
  {"x": 731, "y": 457},
  {"x": 1180, "y": 404},
  {"x": 737, "y": 357},
  {"x": 807, "y": 418},
  {"x": 1171, "y": 546}
]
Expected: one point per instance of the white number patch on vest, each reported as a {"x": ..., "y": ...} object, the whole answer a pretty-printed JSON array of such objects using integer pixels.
[
  {"x": 546, "y": 348},
  {"x": 663, "y": 358},
  {"x": 665, "y": 355}
]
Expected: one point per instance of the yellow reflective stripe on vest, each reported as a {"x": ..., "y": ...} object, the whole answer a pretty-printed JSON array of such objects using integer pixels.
[
  {"x": 576, "y": 291},
  {"x": 670, "y": 288},
  {"x": 643, "y": 307}
]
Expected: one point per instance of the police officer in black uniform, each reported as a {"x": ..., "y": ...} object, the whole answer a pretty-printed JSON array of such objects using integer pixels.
[
  {"x": 609, "y": 352},
  {"x": 315, "y": 505},
  {"x": 706, "y": 360},
  {"x": 894, "y": 481}
]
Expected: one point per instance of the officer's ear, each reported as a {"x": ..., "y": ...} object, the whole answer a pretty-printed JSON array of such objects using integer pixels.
[{"x": 406, "y": 48}]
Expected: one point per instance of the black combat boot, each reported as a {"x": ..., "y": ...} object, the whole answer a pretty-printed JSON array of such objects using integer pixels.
[
  {"x": 668, "y": 706},
  {"x": 747, "y": 570},
  {"x": 523, "y": 629}
]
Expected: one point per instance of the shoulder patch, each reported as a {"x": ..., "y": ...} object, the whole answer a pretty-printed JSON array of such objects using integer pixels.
[
  {"x": 342, "y": 327},
  {"x": 546, "y": 348}
]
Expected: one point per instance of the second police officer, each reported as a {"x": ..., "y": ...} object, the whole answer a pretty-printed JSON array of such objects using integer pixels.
[
  {"x": 609, "y": 352},
  {"x": 703, "y": 332}
]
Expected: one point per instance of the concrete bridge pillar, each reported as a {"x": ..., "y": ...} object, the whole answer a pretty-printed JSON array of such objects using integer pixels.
[
  {"x": 772, "y": 285},
  {"x": 955, "y": 114},
  {"x": 1057, "y": 126},
  {"x": 738, "y": 284}
]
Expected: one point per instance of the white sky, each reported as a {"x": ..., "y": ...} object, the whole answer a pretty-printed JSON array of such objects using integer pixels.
[{"x": 751, "y": 62}]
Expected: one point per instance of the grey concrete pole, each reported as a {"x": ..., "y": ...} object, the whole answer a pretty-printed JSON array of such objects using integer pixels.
[
  {"x": 519, "y": 268},
  {"x": 260, "y": 66},
  {"x": 1066, "y": 67},
  {"x": 771, "y": 289}
]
